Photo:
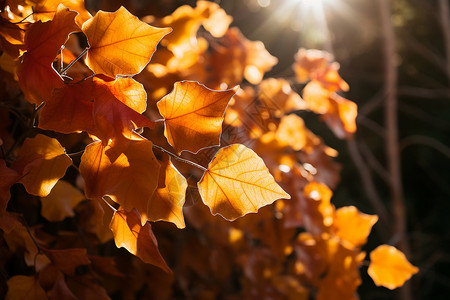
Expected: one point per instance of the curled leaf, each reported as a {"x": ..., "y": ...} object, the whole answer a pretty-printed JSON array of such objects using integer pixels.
[
  {"x": 120, "y": 43},
  {"x": 137, "y": 239},
  {"x": 193, "y": 115},
  {"x": 237, "y": 182},
  {"x": 389, "y": 267}
]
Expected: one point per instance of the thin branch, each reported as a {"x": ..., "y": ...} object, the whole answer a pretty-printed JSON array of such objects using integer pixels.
[
  {"x": 425, "y": 140},
  {"x": 369, "y": 188},
  {"x": 375, "y": 164},
  {"x": 64, "y": 71},
  {"x": 75, "y": 153},
  {"x": 179, "y": 158}
]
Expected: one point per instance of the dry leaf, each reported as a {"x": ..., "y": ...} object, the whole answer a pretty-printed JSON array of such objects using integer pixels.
[
  {"x": 25, "y": 287},
  {"x": 120, "y": 43},
  {"x": 193, "y": 115},
  {"x": 237, "y": 182},
  {"x": 138, "y": 240},
  {"x": 41, "y": 162},
  {"x": 389, "y": 267}
]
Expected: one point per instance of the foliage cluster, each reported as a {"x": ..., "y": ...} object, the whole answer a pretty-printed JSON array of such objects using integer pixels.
[{"x": 72, "y": 133}]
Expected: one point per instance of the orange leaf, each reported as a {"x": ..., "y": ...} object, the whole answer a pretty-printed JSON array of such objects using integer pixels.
[
  {"x": 193, "y": 115},
  {"x": 309, "y": 63},
  {"x": 73, "y": 105},
  {"x": 117, "y": 107},
  {"x": 41, "y": 162},
  {"x": 44, "y": 10},
  {"x": 120, "y": 43},
  {"x": 237, "y": 182},
  {"x": 7, "y": 178},
  {"x": 292, "y": 132},
  {"x": 61, "y": 201},
  {"x": 25, "y": 287},
  {"x": 127, "y": 172},
  {"x": 68, "y": 260},
  {"x": 138, "y": 240},
  {"x": 389, "y": 267},
  {"x": 341, "y": 118},
  {"x": 37, "y": 78},
  {"x": 317, "y": 97},
  {"x": 12, "y": 37},
  {"x": 353, "y": 226},
  {"x": 167, "y": 201}
]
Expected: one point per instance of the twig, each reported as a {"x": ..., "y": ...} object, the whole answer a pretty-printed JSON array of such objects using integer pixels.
[
  {"x": 375, "y": 164},
  {"x": 179, "y": 158},
  {"x": 427, "y": 141},
  {"x": 64, "y": 71}
]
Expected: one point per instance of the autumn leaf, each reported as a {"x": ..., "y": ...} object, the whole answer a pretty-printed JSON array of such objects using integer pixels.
[
  {"x": 137, "y": 239},
  {"x": 41, "y": 162},
  {"x": 341, "y": 118},
  {"x": 12, "y": 37},
  {"x": 119, "y": 43},
  {"x": 167, "y": 201},
  {"x": 25, "y": 287},
  {"x": 44, "y": 10},
  {"x": 61, "y": 201},
  {"x": 193, "y": 115},
  {"x": 237, "y": 182},
  {"x": 292, "y": 132},
  {"x": 117, "y": 107},
  {"x": 353, "y": 226},
  {"x": 7, "y": 178},
  {"x": 37, "y": 77},
  {"x": 74, "y": 107},
  {"x": 389, "y": 267},
  {"x": 309, "y": 63},
  {"x": 67, "y": 260},
  {"x": 127, "y": 172}
]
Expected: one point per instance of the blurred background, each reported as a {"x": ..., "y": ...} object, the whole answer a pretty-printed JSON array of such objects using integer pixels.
[{"x": 397, "y": 50}]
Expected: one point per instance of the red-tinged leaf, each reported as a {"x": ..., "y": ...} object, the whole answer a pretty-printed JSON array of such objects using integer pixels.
[
  {"x": 193, "y": 115},
  {"x": 138, "y": 240},
  {"x": 127, "y": 172},
  {"x": 68, "y": 260},
  {"x": 61, "y": 201},
  {"x": 87, "y": 287},
  {"x": 12, "y": 37},
  {"x": 41, "y": 162},
  {"x": 167, "y": 201},
  {"x": 120, "y": 43},
  {"x": 353, "y": 226},
  {"x": 74, "y": 107},
  {"x": 7, "y": 178},
  {"x": 237, "y": 182},
  {"x": 44, "y": 10},
  {"x": 37, "y": 78},
  {"x": 25, "y": 287},
  {"x": 116, "y": 114},
  {"x": 389, "y": 267},
  {"x": 9, "y": 222}
]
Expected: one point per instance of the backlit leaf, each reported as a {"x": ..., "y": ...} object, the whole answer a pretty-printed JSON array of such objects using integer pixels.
[
  {"x": 353, "y": 226},
  {"x": 237, "y": 182},
  {"x": 120, "y": 43},
  {"x": 389, "y": 267},
  {"x": 309, "y": 63},
  {"x": 167, "y": 201},
  {"x": 44, "y": 10},
  {"x": 292, "y": 132},
  {"x": 127, "y": 172},
  {"x": 138, "y": 240},
  {"x": 41, "y": 162},
  {"x": 25, "y": 287},
  {"x": 193, "y": 115},
  {"x": 61, "y": 201},
  {"x": 37, "y": 78}
]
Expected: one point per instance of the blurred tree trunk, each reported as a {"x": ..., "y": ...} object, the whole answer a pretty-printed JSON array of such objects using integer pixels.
[{"x": 392, "y": 145}]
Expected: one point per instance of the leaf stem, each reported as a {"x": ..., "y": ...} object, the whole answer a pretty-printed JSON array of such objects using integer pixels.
[
  {"x": 64, "y": 71},
  {"x": 179, "y": 158},
  {"x": 104, "y": 200}
]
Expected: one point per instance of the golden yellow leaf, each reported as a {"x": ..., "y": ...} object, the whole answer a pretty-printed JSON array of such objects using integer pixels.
[
  {"x": 120, "y": 43},
  {"x": 292, "y": 132},
  {"x": 167, "y": 201},
  {"x": 237, "y": 182},
  {"x": 44, "y": 10},
  {"x": 193, "y": 115},
  {"x": 352, "y": 225},
  {"x": 42, "y": 161},
  {"x": 127, "y": 172},
  {"x": 61, "y": 201},
  {"x": 25, "y": 287},
  {"x": 389, "y": 267},
  {"x": 138, "y": 240}
]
